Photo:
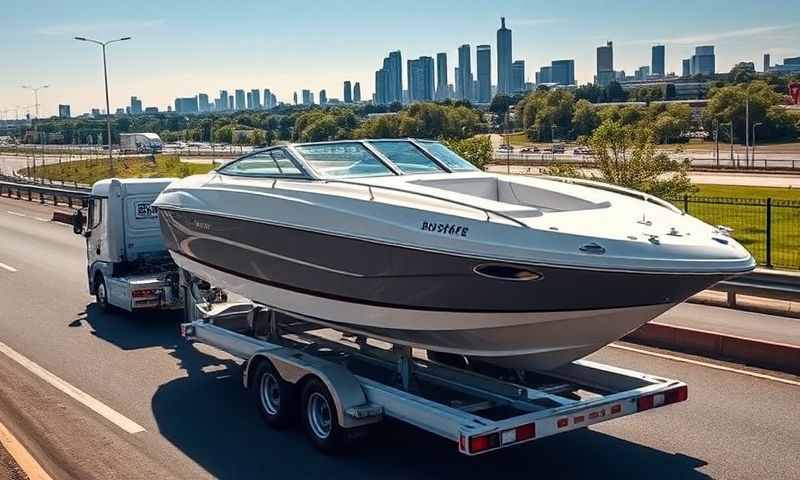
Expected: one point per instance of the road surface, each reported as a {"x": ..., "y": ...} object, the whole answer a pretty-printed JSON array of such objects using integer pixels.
[{"x": 199, "y": 423}]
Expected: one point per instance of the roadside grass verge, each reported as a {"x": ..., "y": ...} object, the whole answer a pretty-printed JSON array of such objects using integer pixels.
[{"x": 90, "y": 171}]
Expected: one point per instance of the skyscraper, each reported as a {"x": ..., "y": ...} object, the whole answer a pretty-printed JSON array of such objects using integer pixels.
[
  {"x": 483, "y": 56},
  {"x": 464, "y": 81},
  {"x": 323, "y": 97},
  {"x": 348, "y": 92},
  {"x": 240, "y": 99},
  {"x": 268, "y": 99},
  {"x": 256, "y": 94},
  {"x": 380, "y": 87},
  {"x": 503, "y": 58},
  {"x": 562, "y": 72},
  {"x": 657, "y": 61},
  {"x": 420, "y": 79},
  {"x": 357, "y": 92},
  {"x": 766, "y": 62},
  {"x": 441, "y": 76},
  {"x": 249, "y": 100},
  {"x": 223, "y": 101},
  {"x": 202, "y": 103},
  {"x": 186, "y": 105},
  {"x": 307, "y": 98},
  {"x": 294, "y": 94},
  {"x": 63, "y": 111},
  {"x": 605, "y": 64},
  {"x": 136, "y": 105},
  {"x": 390, "y": 79},
  {"x": 687, "y": 67},
  {"x": 703, "y": 62},
  {"x": 518, "y": 76}
]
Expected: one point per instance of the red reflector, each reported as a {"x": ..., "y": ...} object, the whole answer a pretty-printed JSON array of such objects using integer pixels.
[
  {"x": 615, "y": 409},
  {"x": 579, "y": 419},
  {"x": 143, "y": 293},
  {"x": 645, "y": 403},
  {"x": 680, "y": 394},
  {"x": 478, "y": 444},
  {"x": 526, "y": 431},
  {"x": 462, "y": 444},
  {"x": 562, "y": 422}
]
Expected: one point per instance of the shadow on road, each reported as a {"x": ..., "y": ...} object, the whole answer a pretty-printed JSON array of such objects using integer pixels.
[{"x": 209, "y": 417}]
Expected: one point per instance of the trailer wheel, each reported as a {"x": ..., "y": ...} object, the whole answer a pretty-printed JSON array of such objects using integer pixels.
[
  {"x": 320, "y": 419},
  {"x": 274, "y": 396}
]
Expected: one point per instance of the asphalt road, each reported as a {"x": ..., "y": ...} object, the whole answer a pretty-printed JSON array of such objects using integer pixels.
[{"x": 200, "y": 423}]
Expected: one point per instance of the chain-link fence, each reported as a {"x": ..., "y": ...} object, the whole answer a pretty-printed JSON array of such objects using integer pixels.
[{"x": 769, "y": 228}]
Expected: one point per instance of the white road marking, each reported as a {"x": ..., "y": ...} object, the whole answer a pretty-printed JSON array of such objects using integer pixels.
[
  {"x": 92, "y": 403},
  {"x": 723, "y": 368},
  {"x": 8, "y": 267},
  {"x": 24, "y": 459},
  {"x": 16, "y": 213},
  {"x": 42, "y": 219}
]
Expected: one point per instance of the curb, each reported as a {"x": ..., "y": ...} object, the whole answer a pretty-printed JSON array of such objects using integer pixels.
[{"x": 758, "y": 353}]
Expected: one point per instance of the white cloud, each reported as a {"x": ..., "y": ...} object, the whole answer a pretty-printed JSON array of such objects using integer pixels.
[
  {"x": 530, "y": 22},
  {"x": 713, "y": 37},
  {"x": 83, "y": 29}
]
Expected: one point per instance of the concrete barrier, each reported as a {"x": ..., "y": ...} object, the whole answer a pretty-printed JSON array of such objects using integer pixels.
[{"x": 749, "y": 351}]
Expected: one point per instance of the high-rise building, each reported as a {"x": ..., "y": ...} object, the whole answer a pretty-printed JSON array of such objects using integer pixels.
[
  {"x": 240, "y": 99},
  {"x": 267, "y": 99},
  {"x": 563, "y": 72},
  {"x": 151, "y": 110},
  {"x": 249, "y": 100},
  {"x": 464, "y": 80},
  {"x": 256, "y": 97},
  {"x": 605, "y": 64},
  {"x": 703, "y": 62},
  {"x": 657, "y": 61},
  {"x": 308, "y": 98},
  {"x": 642, "y": 73},
  {"x": 544, "y": 75},
  {"x": 766, "y": 62},
  {"x": 230, "y": 102},
  {"x": 223, "y": 101},
  {"x": 63, "y": 111},
  {"x": 420, "y": 79},
  {"x": 294, "y": 95},
  {"x": 357, "y": 92},
  {"x": 686, "y": 65},
  {"x": 202, "y": 103},
  {"x": 390, "y": 80},
  {"x": 323, "y": 97},
  {"x": 186, "y": 105},
  {"x": 441, "y": 76},
  {"x": 136, "y": 106},
  {"x": 503, "y": 58},
  {"x": 483, "y": 57},
  {"x": 518, "y": 76},
  {"x": 348, "y": 92}
]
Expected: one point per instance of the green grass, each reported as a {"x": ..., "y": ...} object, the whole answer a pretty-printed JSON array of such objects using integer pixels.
[
  {"x": 740, "y": 191},
  {"x": 90, "y": 171}
]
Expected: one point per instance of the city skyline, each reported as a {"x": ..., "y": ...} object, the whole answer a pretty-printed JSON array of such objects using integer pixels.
[{"x": 168, "y": 57}]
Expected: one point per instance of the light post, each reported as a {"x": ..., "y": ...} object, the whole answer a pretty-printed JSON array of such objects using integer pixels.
[
  {"x": 35, "y": 91},
  {"x": 753, "y": 156},
  {"x": 730, "y": 134},
  {"x": 108, "y": 107}
]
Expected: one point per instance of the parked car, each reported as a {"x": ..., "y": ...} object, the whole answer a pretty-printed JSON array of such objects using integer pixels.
[
  {"x": 506, "y": 148},
  {"x": 529, "y": 150},
  {"x": 582, "y": 151},
  {"x": 558, "y": 148}
]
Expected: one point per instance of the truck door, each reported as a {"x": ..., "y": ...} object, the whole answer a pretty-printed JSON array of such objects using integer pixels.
[{"x": 96, "y": 233}]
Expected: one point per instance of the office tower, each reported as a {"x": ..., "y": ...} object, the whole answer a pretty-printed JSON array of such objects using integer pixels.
[
  {"x": 202, "y": 103},
  {"x": 420, "y": 79},
  {"x": 323, "y": 97},
  {"x": 230, "y": 102},
  {"x": 151, "y": 110},
  {"x": 256, "y": 96},
  {"x": 267, "y": 99},
  {"x": 223, "y": 101},
  {"x": 294, "y": 97},
  {"x": 307, "y": 98},
  {"x": 63, "y": 111},
  {"x": 389, "y": 80},
  {"x": 503, "y": 58},
  {"x": 544, "y": 75},
  {"x": 642, "y": 73},
  {"x": 348, "y": 92},
  {"x": 766, "y": 62},
  {"x": 703, "y": 62},
  {"x": 464, "y": 80},
  {"x": 380, "y": 87},
  {"x": 605, "y": 64},
  {"x": 686, "y": 65},
  {"x": 136, "y": 105},
  {"x": 483, "y": 56},
  {"x": 562, "y": 72},
  {"x": 240, "y": 99},
  {"x": 250, "y": 100},
  {"x": 441, "y": 76},
  {"x": 657, "y": 61},
  {"x": 186, "y": 105},
  {"x": 518, "y": 76},
  {"x": 357, "y": 92}
]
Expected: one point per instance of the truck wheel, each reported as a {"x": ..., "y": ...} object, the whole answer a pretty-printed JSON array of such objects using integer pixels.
[
  {"x": 320, "y": 419},
  {"x": 101, "y": 294},
  {"x": 274, "y": 396}
]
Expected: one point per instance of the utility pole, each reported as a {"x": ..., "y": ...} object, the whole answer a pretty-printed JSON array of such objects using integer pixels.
[
  {"x": 747, "y": 130},
  {"x": 716, "y": 142},
  {"x": 753, "y": 156},
  {"x": 108, "y": 107},
  {"x": 36, "y": 117}
]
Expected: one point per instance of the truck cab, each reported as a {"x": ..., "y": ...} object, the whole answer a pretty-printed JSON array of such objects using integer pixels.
[{"x": 128, "y": 266}]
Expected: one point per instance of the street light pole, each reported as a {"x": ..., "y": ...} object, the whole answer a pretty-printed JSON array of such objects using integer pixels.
[
  {"x": 35, "y": 126},
  {"x": 108, "y": 107},
  {"x": 753, "y": 156},
  {"x": 747, "y": 130}
]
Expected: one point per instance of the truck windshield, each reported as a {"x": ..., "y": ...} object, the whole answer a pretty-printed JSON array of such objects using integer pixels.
[{"x": 343, "y": 160}]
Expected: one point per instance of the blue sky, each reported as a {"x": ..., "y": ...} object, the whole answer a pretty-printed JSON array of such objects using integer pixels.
[{"x": 180, "y": 48}]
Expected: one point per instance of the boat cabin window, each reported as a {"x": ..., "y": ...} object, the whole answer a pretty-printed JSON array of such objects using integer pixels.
[
  {"x": 448, "y": 157},
  {"x": 270, "y": 162},
  {"x": 343, "y": 160},
  {"x": 407, "y": 157}
]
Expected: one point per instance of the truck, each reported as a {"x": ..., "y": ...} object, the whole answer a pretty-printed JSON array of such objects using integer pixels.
[
  {"x": 336, "y": 383},
  {"x": 140, "y": 143}
]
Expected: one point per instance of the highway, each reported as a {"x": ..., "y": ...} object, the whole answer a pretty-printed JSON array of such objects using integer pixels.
[{"x": 198, "y": 422}]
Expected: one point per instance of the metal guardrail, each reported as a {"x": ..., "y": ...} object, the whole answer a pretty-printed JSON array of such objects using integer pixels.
[
  {"x": 70, "y": 197},
  {"x": 763, "y": 283}
]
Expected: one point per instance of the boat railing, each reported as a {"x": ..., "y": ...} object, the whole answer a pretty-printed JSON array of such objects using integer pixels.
[
  {"x": 486, "y": 211},
  {"x": 615, "y": 189}
]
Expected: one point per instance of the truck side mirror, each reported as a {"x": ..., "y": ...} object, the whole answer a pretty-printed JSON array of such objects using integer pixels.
[{"x": 77, "y": 222}]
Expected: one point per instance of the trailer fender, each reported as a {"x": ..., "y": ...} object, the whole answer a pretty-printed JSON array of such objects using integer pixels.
[{"x": 294, "y": 367}]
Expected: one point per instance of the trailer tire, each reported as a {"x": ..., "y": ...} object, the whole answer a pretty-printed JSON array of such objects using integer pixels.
[
  {"x": 274, "y": 396},
  {"x": 101, "y": 294},
  {"x": 320, "y": 419}
]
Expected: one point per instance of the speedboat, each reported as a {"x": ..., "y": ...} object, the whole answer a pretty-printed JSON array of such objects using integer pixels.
[{"x": 406, "y": 241}]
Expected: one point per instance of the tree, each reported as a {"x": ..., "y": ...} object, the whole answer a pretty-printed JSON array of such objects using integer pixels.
[
  {"x": 590, "y": 92},
  {"x": 257, "y": 137},
  {"x": 477, "y": 150},
  {"x": 743, "y": 72},
  {"x": 728, "y": 104},
  {"x": 499, "y": 106},
  {"x": 615, "y": 93},
  {"x": 626, "y": 155},
  {"x": 585, "y": 119}
]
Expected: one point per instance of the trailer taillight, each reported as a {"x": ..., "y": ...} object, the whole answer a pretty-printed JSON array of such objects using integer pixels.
[
  {"x": 494, "y": 440},
  {"x": 659, "y": 399},
  {"x": 144, "y": 292}
]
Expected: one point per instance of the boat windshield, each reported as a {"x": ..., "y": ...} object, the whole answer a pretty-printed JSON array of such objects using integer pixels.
[
  {"x": 343, "y": 160},
  {"x": 407, "y": 156},
  {"x": 448, "y": 157}
]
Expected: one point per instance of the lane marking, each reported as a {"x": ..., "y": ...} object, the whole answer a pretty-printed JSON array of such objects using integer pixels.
[
  {"x": 24, "y": 459},
  {"x": 42, "y": 219},
  {"x": 8, "y": 267},
  {"x": 709, "y": 365},
  {"x": 87, "y": 400},
  {"x": 16, "y": 213}
]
